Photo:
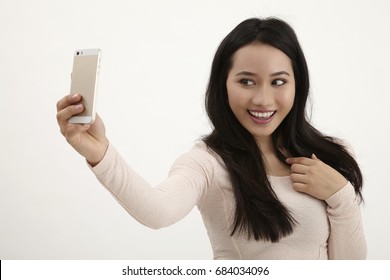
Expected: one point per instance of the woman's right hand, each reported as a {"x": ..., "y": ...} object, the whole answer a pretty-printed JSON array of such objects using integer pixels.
[{"x": 89, "y": 140}]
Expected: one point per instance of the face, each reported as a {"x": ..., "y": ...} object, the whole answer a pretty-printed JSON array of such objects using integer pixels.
[{"x": 261, "y": 88}]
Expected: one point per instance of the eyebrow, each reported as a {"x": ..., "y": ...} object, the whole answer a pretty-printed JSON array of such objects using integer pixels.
[{"x": 247, "y": 73}]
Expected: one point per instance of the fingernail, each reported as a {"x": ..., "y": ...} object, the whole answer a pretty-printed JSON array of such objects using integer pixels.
[
  {"x": 75, "y": 95},
  {"x": 79, "y": 107}
]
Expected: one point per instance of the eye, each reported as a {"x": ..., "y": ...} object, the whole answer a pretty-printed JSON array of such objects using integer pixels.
[
  {"x": 247, "y": 82},
  {"x": 278, "y": 82}
]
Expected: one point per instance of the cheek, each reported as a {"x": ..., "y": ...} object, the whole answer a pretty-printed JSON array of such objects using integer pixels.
[
  {"x": 286, "y": 99},
  {"x": 235, "y": 98}
]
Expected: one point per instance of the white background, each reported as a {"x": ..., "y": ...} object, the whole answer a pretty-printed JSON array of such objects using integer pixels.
[{"x": 155, "y": 66}]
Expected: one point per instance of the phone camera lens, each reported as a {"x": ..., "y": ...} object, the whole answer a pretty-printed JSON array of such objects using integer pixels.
[{"x": 78, "y": 53}]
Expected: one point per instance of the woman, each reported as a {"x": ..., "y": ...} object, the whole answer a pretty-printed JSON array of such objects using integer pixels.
[{"x": 268, "y": 184}]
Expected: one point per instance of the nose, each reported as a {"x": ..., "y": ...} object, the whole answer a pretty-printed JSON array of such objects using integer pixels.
[{"x": 262, "y": 96}]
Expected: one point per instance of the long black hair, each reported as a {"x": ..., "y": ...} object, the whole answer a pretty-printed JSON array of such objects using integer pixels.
[{"x": 258, "y": 211}]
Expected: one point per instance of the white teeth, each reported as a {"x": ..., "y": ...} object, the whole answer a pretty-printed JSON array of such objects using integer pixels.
[{"x": 265, "y": 115}]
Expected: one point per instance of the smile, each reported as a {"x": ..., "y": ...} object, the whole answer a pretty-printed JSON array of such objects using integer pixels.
[{"x": 262, "y": 115}]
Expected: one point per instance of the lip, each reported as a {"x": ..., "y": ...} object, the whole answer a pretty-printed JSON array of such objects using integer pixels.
[{"x": 259, "y": 120}]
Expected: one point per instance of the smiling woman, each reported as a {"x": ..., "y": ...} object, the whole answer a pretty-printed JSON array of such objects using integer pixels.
[
  {"x": 267, "y": 183},
  {"x": 255, "y": 153}
]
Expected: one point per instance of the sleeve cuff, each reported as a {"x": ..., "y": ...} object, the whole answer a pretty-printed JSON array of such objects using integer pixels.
[{"x": 106, "y": 162}]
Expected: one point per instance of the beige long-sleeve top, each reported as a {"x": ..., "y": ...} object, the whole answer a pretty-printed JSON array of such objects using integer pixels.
[{"x": 330, "y": 229}]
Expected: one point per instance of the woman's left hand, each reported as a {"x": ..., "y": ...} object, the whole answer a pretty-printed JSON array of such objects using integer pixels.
[{"x": 314, "y": 177}]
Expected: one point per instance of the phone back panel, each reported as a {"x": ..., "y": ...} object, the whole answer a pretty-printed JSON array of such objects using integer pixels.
[{"x": 84, "y": 78}]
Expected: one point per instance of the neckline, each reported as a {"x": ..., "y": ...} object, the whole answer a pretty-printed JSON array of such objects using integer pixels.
[{"x": 279, "y": 177}]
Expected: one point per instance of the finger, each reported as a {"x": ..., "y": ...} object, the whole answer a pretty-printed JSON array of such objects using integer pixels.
[
  {"x": 298, "y": 178},
  {"x": 299, "y": 168},
  {"x": 64, "y": 115},
  {"x": 67, "y": 101},
  {"x": 300, "y": 187},
  {"x": 70, "y": 111},
  {"x": 300, "y": 160}
]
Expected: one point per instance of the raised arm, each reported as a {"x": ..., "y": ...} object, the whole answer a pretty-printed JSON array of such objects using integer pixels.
[
  {"x": 164, "y": 204},
  {"x": 155, "y": 207}
]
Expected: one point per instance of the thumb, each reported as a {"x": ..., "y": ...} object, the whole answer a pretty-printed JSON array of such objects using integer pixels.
[{"x": 313, "y": 156}]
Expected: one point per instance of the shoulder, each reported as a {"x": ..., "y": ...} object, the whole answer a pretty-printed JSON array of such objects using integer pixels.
[
  {"x": 199, "y": 153},
  {"x": 200, "y": 157}
]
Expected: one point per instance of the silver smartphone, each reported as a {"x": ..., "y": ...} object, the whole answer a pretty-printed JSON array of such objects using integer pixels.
[{"x": 84, "y": 81}]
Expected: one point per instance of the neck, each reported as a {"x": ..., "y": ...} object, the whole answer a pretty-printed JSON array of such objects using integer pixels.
[
  {"x": 265, "y": 145},
  {"x": 273, "y": 165}
]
